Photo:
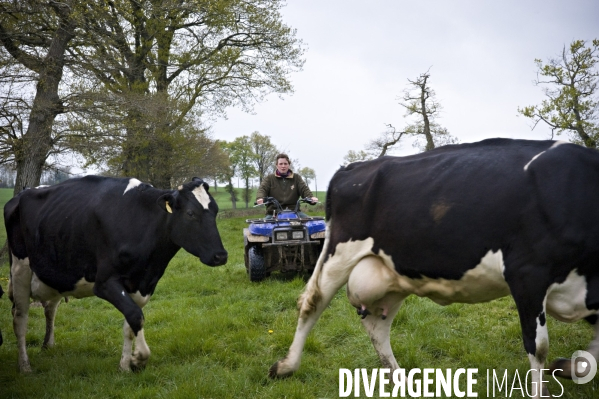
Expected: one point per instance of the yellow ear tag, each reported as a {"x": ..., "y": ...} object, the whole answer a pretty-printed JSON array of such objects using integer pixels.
[{"x": 168, "y": 208}]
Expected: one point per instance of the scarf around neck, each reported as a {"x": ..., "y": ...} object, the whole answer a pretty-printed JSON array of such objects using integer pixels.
[{"x": 277, "y": 173}]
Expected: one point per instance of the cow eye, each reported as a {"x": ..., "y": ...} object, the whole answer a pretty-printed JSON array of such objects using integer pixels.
[{"x": 190, "y": 214}]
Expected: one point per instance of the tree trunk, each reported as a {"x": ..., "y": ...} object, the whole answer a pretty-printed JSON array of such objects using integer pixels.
[
  {"x": 246, "y": 193},
  {"x": 231, "y": 190},
  {"x": 36, "y": 143},
  {"x": 430, "y": 144}
]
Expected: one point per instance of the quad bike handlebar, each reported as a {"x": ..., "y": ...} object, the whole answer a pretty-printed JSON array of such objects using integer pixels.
[{"x": 273, "y": 200}]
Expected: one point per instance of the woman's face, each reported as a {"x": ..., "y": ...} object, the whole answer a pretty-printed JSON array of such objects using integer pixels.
[{"x": 282, "y": 165}]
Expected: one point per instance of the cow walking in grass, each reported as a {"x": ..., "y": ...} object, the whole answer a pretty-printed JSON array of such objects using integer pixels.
[
  {"x": 465, "y": 223},
  {"x": 108, "y": 237}
]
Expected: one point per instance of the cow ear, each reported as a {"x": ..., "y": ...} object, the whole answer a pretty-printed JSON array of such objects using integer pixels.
[{"x": 166, "y": 202}]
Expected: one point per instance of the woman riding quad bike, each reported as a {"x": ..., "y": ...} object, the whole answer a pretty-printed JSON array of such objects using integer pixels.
[{"x": 289, "y": 240}]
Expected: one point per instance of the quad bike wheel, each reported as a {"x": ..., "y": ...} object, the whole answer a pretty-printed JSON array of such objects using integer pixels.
[{"x": 256, "y": 267}]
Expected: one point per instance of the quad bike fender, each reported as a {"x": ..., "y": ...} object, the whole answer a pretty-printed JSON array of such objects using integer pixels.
[{"x": 254, "y": 238}]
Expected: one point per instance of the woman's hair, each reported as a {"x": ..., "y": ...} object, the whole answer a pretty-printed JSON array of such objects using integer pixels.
[{"x": 282, "y": 155}]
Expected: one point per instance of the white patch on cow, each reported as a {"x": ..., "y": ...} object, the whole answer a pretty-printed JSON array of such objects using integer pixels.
[
  {"x": 43, "y": 186},
  {"x": 482, "y": 283},
  {"x": 83, "y": 289},
  {"x": 43, "y": 292},
  {"x": 555, "y": 145},
  {"x": 139, "y": 299},
  {"x": 542, "y": 336},
  {"x": 536, "y": 375},
  {"x": 202, "y": 196},
  {"x": 40, "y": 291},
  {"x": 132, "y": 184},
  {"x": 533, "y": 158},
  {"x": 558, "y": 143},
  {"x": 566, "y": 301}
]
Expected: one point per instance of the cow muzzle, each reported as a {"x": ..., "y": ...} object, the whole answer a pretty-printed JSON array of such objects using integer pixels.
[{"x": 219, "y": 258}]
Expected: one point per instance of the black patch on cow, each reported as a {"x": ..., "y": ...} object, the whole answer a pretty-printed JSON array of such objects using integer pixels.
[
  {"x": 592, "y": 319},
  {"x": 542, "y": 319}
]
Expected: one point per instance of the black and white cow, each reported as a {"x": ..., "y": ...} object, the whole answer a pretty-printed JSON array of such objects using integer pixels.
[
  {"x": 464, "y": 223},
  {"x": 108, "y": 237}
]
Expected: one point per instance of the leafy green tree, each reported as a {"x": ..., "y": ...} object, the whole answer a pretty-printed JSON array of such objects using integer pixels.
[
  {"x": 265, "y": 152},
  {"x": 308, "y": 174},
  {"x": 243, "y": 158},
  {"x": 156, "y": 65},
  {"x": 356, "y": 156},
  {"x": 570, "y": 84}
]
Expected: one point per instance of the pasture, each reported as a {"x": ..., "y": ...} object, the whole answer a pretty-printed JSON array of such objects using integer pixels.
[{"x": 213, "y": 334}]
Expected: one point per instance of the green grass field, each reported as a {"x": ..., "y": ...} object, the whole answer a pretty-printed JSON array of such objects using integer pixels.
[{"x": 213, "y": 334}]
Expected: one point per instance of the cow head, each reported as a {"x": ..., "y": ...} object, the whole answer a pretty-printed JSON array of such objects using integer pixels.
[{"x": 192, "y": 221}]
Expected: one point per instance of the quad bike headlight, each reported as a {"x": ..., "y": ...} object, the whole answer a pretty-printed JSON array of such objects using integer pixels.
[
  {"x": 297, "y": 235},
  {"x": 281, "y": 236}
]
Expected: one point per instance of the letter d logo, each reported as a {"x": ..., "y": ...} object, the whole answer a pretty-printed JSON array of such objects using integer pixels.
[{"x": 583, "y": 367}]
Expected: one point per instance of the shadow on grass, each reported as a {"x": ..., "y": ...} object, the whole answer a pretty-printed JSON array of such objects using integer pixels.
[{"x": 288, "y": 276}]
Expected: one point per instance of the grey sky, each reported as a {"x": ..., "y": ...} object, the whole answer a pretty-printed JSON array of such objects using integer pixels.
[{"x": 360, "y": 55}]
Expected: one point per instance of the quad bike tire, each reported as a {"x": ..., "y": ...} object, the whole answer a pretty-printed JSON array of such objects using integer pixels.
[{"x": 256, "y": 266}]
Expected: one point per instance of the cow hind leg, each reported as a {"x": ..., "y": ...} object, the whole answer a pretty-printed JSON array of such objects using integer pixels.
[
  {"x": 379, "y": 331},
  {"x": 19, "y": 291},
  {"x": 374, "y": 291},
  {"x": 50, "y": 308}
]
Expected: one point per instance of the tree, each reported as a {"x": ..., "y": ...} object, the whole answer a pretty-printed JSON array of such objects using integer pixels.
[
  {"x": 185, "y": 61},
  {"x": 420, "y": 100},
  {"x": 265, "y": 153},
  {"x": 356, "y": 156},
  {"x": 37, "y": 35},
  {"x": 308, "y": 174},
  {"x": 243, "y": 159},
  {"x": 570, "y": 84},
  {"x": 384, "y": 142},
  {"x": 226, "y": 174}
]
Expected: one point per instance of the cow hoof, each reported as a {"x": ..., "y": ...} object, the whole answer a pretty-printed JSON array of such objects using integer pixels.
[
  {"x": 25, "y": 368},
  {"x": 48, "y": 345},
  {"x": 561, "y": 368},
  {"x": 136, "y": 368},
  {"x": 275, "y": 372},
  {"x": 545, "y": 393}
]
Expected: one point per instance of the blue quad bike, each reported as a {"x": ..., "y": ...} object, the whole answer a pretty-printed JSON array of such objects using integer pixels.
[{"x": 286, "y": 242}]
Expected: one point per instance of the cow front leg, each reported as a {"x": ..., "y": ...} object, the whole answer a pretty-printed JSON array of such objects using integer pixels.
[
  {"x": 50, "y": 308},
  {"x": 114, "y": 292},
  {"x": 533, "y": 320},
  {"x": 19, "y": 292},
  {"x": 134, "y": 361}
]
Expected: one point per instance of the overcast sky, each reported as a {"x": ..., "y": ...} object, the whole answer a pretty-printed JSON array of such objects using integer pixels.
[{"x": 361, "y": 53}]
